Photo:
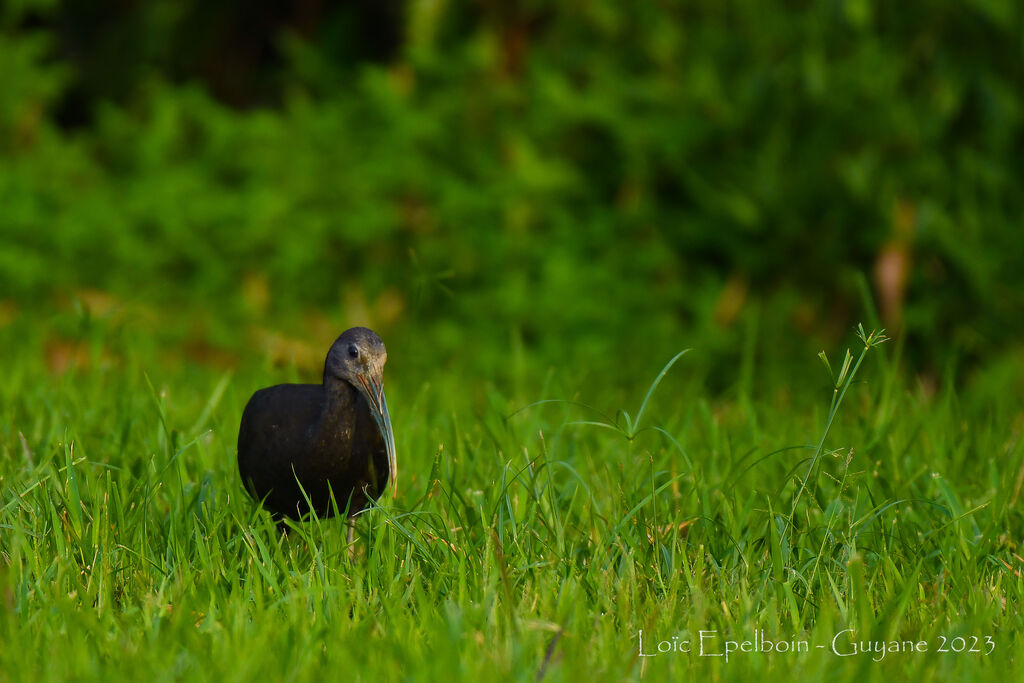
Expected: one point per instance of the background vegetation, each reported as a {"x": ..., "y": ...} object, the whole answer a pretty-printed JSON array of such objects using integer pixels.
[{"x": 528, "y": 201}]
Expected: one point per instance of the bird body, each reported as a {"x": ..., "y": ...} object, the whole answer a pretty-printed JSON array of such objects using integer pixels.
[{"x": 309, "y": 441}]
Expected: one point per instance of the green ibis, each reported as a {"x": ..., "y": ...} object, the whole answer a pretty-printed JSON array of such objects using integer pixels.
[{"x": 301, "y": 444}]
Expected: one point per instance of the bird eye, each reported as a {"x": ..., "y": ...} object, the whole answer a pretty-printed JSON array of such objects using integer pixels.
[{"x": 353, "y": 351}]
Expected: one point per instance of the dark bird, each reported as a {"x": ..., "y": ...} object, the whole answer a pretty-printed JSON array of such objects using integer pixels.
[{"x": 331, "y": 438}]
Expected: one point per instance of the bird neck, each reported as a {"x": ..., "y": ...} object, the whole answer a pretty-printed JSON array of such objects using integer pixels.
[{"x": 339, "y": 396}]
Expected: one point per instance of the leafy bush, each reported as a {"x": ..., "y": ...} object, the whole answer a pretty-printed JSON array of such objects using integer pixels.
[{"x": 587, "y": 177}]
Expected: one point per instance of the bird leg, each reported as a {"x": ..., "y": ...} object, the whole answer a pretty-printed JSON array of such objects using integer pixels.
[{"x": 351, "y": 522}]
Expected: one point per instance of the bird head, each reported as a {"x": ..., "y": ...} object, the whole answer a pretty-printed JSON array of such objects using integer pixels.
[{"x": 358, "y": 357}]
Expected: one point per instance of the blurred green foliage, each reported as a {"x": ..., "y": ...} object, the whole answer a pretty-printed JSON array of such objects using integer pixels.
[{"x": 595, "y": 181}]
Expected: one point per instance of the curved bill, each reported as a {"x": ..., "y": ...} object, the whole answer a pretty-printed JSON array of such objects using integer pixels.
[{"x": 373, "y": 390}]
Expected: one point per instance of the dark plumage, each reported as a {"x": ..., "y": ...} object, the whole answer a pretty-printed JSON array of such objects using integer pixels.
[{"x": 334, "y": 436}]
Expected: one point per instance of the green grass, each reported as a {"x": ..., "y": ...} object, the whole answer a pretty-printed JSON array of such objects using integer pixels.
[{"x": 531, "y": 537}]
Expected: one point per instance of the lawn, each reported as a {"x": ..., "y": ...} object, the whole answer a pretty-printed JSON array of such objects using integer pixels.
[{"x": 852, "y": 525}]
